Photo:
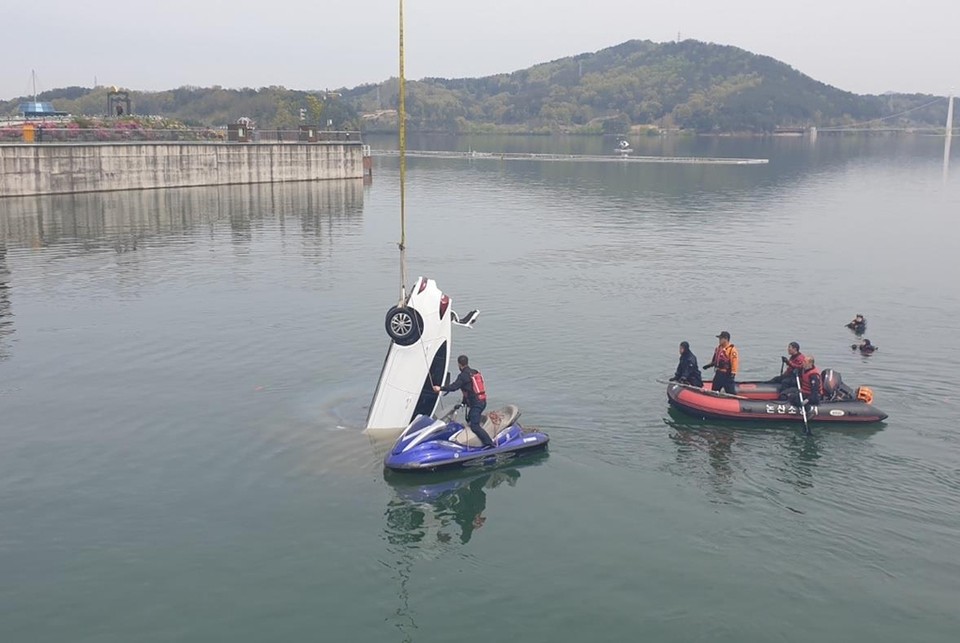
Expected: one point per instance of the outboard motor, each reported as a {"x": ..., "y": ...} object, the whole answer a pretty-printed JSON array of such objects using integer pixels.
[{"x": 832, "y": 383}]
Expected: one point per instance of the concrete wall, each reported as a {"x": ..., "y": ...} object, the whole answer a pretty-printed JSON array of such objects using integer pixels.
[{"x": 70, "y": 168}]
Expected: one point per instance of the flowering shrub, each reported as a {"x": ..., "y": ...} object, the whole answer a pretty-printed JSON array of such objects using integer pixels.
[
  {"x": 11, "y": 134},
  {"x": 100, "y": 129}
]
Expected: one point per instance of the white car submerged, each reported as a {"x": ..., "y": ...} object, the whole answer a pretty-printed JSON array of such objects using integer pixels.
[{"x": 418, "y": 356}]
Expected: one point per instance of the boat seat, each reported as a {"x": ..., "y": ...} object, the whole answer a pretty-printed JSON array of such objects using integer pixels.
[{"x": 494, "y": 423}]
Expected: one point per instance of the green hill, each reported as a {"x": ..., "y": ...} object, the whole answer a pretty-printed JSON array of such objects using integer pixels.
[{"x": 688, "y": 85}]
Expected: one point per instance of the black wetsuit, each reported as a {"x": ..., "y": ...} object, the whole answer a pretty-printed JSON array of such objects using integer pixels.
[{"x": 687, "y": 370}]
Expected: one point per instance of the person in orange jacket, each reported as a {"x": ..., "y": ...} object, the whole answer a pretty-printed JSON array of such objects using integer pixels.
[{"x": 726, "y": 360}]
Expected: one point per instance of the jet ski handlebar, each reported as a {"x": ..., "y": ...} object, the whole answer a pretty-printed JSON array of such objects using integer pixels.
[{"x": 451, "y": 412}]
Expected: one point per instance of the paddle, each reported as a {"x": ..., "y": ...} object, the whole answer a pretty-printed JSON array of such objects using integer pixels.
[
  {"x": 779, "y": 378},
  {"x": 803, "y": 408}
]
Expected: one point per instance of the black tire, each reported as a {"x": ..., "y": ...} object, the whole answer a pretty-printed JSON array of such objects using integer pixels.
[{"x": 404, "y": 325}]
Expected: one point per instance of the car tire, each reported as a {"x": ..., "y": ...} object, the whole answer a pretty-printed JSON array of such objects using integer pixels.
[{"x": 404, "y": 325}]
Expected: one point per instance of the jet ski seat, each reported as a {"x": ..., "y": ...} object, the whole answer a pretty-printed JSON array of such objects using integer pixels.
[{"x": 494, "y": 423}]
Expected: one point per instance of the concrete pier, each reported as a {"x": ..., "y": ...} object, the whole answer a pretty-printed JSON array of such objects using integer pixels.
[{"x": 71, "y": 168}]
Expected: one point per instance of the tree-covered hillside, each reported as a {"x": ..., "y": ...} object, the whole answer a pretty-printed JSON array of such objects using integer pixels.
[
  {"x": 689, "y": 85},
  {"x": 270, "y": 107}
]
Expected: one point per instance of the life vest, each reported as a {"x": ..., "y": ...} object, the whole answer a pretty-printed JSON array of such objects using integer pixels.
[
  {"x": 479, "y": 389},
  {"x": 726, "y": 359},
  {"x": 865, "y": 394},
  {"x": 805, "y": 378}
]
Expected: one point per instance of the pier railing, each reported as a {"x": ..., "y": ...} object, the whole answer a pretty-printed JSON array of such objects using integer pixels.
[{"x": 299, "y": 136}]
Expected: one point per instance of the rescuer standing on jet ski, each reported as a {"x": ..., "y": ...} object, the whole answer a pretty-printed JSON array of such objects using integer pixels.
[{"x": 470, "y": 381}]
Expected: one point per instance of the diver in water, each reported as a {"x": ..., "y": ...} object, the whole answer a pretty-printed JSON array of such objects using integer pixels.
[
  {"x": 865, "y": 347},
  {"x": 858, "y": 324}
]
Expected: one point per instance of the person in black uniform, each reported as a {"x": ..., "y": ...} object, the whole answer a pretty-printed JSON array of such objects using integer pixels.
[
  {"x": 864, "y": 347},
  {"x": 687, "y": 370},
  {"x": 858, "y": 325},
  {"x": 475, "y": 405}
]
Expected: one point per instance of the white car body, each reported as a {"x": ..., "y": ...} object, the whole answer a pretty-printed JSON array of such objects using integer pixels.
[{"x": 417, "y": 361}]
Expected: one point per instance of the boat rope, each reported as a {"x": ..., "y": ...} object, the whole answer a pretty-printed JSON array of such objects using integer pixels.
[
  {"x": 402, "y": 129},
  {"x": 402, "y": 116}
]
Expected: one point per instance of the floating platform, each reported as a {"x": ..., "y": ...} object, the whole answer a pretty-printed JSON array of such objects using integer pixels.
[{"x": 574, "y": 158}]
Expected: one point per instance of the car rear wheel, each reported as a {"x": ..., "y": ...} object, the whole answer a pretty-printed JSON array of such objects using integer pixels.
[{"x": 403, "y": 325}]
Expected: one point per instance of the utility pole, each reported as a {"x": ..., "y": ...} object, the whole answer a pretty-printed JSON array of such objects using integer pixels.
[
  {"x": 948, "y": 135},
  {"x": 950, "y": 116}
]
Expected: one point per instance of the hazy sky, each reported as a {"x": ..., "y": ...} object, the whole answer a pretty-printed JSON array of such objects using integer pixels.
[{"x": 867, "y": 47}]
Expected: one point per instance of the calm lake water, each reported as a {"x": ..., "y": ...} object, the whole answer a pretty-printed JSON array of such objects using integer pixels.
[{"x": 184, "y": 375}]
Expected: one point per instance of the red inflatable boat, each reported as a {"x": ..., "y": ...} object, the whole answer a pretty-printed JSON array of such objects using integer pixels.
[{"x": 759, "y": 401}]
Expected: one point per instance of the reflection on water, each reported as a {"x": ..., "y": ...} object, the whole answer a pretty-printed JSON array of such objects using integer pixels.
[
  {"x": 432, "y": 514},
  {"x": 803, "y": 452},
  {"x": 732, "y": 456},
  {"x": 62, "y": 245},
  {"x": 716, "y": 443},
  {"x": 122, "y": 220},
  {"x": 6, "y": 314},
  {"x": 693, "y": 437},
  {"x": 833, "y": 148},
  {"x": 191, "y": 368},
  {"x": 427, "y": 513}
]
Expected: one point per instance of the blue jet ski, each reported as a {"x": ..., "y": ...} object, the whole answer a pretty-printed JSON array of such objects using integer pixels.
[{"x": 428, "y": 444}]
